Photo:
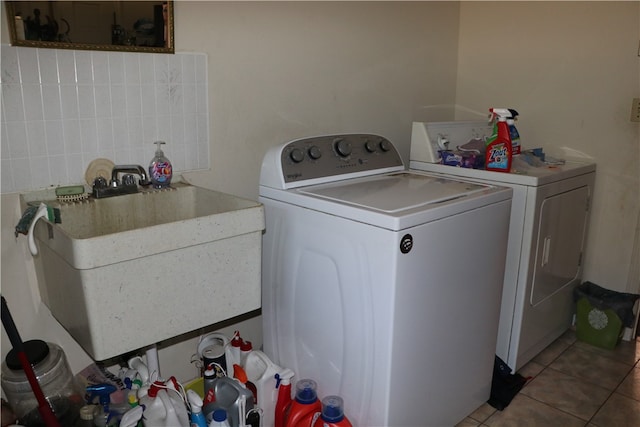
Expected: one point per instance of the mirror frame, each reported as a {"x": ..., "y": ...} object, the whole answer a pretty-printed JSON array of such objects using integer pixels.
[{"x": 86, "y": 46}]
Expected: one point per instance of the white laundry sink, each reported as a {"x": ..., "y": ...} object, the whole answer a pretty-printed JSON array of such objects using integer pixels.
[{"x": 128, "y": 271}]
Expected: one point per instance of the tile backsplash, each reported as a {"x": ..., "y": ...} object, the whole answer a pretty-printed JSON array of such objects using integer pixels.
[{"x": 61, "y": 109}]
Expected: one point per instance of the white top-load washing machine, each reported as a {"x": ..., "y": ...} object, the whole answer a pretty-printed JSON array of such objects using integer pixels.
[
  {"x": 380, "y": 284},
  {"x": 547, "y": 236}
]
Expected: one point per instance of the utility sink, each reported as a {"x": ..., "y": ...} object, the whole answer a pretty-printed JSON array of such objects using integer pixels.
[{"x": 125, "y": 272}]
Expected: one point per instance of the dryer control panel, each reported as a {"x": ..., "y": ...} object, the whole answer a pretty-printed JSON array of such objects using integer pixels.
[{"x": 331, "y": 157}]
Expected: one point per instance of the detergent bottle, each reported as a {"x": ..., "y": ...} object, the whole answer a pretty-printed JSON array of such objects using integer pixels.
[
  {"x": 283, "y": 384},
  {"x": 498, "y": 155},
  {"x": 332, "y": 414},
  {"x": 302, "y": 409},
  {"x": 261, "y": 371}
]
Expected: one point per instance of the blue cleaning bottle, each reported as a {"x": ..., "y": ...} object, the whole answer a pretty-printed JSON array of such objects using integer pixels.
[
  {"x": 109, "y": 416},
  {"x": 197, "y": 417},
  {"x": 516, "y": 148}
]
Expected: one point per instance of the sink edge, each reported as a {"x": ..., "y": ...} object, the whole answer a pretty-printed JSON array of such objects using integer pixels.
[{"x": 109, "y": 249}]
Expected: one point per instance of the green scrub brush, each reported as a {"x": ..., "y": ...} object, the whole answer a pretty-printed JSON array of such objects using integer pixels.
[
  {"x": 71, "y": 193},
  {"x": 29, "y": 216}
]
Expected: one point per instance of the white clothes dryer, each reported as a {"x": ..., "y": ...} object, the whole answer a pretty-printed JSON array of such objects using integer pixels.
[
  {"x": 380, "y": 284},
  {"x": 547, "y": 236}
]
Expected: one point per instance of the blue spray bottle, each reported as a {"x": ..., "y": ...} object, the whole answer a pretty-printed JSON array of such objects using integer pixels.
[
  {"x": 197, "y": 417},
  {"x": 108, "y": 416},
  {"x": 516, "y": 148}
]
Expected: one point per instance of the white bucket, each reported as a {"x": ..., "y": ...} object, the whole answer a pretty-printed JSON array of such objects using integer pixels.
[{"x": 215, "y": 347}]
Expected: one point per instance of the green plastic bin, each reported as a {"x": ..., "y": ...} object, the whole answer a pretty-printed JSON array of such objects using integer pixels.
[
  {"x": 602, "y": 314},
  {"x": 601, "y": 328}
]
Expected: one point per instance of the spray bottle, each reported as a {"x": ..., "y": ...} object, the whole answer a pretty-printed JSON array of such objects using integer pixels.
[
  {"x": 110, "y": 414},
  {"x": 498, "y": 156},
  {"x": 283, "y": 384},
  {"x": 197, "y": 417},
  {"x": 516, "y": 148}
]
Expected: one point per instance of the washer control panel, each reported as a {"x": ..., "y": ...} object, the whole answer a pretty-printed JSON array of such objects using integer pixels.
[{"x": 333, "y": 155}]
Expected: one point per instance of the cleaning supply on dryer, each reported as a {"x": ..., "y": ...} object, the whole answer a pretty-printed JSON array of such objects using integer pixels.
[
  {"x": 283, "y": 384},
  {"x": 498, "y": 156},
  {"x": 516, "y": 148},
  {"x": 160, "y": 170},
  {"x": 332, "y": 414},
  {"x": 302, "y": 409},
  {"x": 197, "y": 417}
]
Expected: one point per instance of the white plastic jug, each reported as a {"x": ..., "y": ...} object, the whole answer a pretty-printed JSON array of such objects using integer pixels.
[
  {"x": 162, "y": 409},
  {"x": 261, "y": 371}
]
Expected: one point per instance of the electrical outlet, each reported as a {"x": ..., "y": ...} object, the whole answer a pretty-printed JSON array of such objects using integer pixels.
[{"x": 635, "y": 110}]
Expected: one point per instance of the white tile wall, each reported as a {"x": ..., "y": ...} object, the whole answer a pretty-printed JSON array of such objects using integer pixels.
[{"x": 61, "y": 109}]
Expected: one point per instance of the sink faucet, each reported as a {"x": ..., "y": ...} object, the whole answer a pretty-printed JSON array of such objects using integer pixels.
[{"x": 136, "y": 169}]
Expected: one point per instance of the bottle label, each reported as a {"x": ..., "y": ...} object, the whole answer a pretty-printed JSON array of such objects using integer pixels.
[
  {"x": 498, "y": 157},
  {"x": 161, "y": 172},
  {"x": 515, "y": 140}
]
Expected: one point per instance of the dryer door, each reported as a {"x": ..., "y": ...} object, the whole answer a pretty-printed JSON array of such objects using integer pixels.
[{"x": 562, "y": 226}]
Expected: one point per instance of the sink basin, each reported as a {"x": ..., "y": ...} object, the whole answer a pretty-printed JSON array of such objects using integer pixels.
[{"x": 125, "y": 272}]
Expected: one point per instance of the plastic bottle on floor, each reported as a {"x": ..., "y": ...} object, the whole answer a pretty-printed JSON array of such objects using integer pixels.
[
  {"x": 302, "y": 409},
  {"x": 332, "y": 414},
  {"x": 219, "y": 419},
  {"x": 283, "y": 384}
]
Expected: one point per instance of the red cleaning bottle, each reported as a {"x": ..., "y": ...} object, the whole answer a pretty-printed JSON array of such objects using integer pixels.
[
  {"x": 283, "y": 384},
  {"x": 498, "y": 156},
  {"x": 302, "y": 409},
  {"x": 332, "y": 413}
]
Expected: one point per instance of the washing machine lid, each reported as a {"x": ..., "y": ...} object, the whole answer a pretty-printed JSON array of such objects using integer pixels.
[
  {"x": 395, "y": 192},
  {"x": 395, "y": 201}
]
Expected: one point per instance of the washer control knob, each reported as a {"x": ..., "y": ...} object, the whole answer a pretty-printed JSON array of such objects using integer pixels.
[
  {"x": 385, "y": 145},
  {"x": 370, "y": 146},
  {"x": 342, "y": 147},
  {"x": 296, "y": 155},
  {"x": 314, "y": 152}
]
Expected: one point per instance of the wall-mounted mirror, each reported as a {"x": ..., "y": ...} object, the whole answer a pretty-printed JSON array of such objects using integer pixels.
[{"x": 139, "y": 26}]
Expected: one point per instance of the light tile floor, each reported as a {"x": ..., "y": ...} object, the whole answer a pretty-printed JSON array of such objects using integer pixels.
[{"x": 574, "y": 384}]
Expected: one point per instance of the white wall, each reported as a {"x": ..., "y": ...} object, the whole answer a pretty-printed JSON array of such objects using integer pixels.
[
  {"x": 62, "y": 109},
  {"x": 277, "y": 71},
  {"x": 571, "y": 70}
]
